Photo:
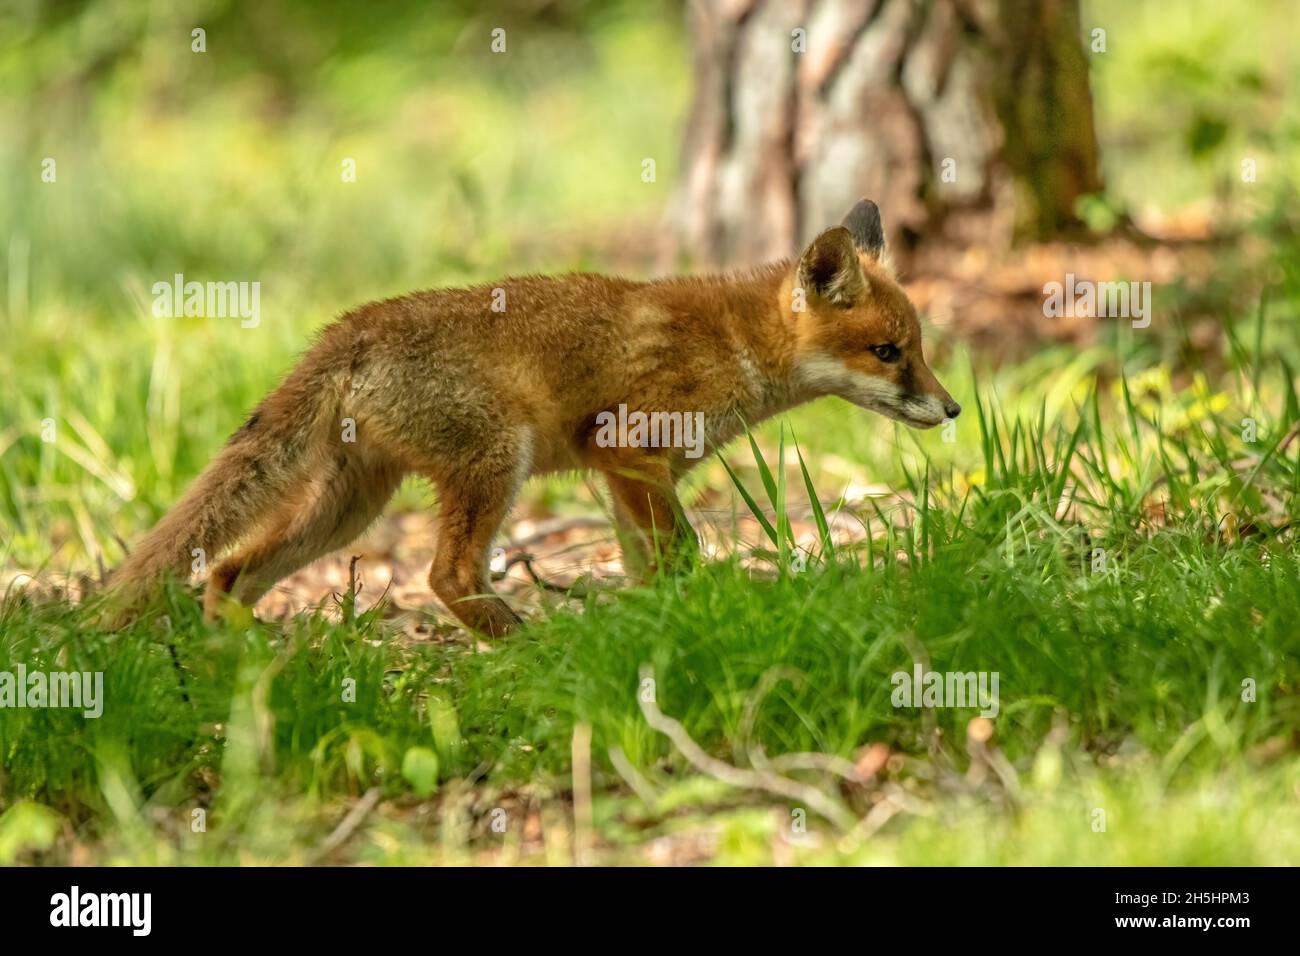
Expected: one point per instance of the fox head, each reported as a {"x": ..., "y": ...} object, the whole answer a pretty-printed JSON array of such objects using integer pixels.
[{"x": 857, "y": 335}]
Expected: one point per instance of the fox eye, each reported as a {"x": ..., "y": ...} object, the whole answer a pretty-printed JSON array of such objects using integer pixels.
[{"x": 886, "y": 353}]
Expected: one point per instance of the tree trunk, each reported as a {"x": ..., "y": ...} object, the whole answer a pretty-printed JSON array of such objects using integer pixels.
[{"x": 942, "y": 111}]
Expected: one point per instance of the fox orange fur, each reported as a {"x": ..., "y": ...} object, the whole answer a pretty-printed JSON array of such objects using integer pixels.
[{"x": 438, "y": 383}]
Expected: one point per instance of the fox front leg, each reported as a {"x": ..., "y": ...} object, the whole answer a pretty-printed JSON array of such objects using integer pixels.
[{"x": 648, "y": 508}]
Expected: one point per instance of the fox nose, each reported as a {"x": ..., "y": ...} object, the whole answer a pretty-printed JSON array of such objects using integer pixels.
[{"x": 952, "y": 409}]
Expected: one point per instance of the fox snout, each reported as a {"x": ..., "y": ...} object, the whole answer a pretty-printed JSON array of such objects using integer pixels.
[
  {"x": 913, "y": 401},
  {"x": 928, "y": 411},
  {"x": 927, "y": 394},
  {"x": 922, "y": 410}
]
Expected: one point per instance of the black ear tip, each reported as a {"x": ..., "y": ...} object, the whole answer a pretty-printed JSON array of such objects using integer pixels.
[
  {"x": 863, "y": 221},
  {"x": 864, "y": 210}
]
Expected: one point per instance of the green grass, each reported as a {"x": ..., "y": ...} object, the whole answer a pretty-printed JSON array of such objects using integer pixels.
[
  {"x": 1121, "y": 688},
  {"x": 461, "y": 157}
]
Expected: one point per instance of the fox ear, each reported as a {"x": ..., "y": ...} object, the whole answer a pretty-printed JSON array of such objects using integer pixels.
[
  {"x": 830, "y": 268},
  {"x": 863, "y": 223}
]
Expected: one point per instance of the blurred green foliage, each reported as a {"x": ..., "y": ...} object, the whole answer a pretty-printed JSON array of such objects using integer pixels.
[
  {"x": 1185, "y": 91},
  {"x": 228, "y": 165},
  {"x": 1120, "y": 689}
]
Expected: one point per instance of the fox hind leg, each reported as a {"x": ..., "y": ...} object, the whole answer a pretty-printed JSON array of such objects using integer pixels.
[
  {"x": 323, "y": 516},
  {"x": 473, "y": 503}
]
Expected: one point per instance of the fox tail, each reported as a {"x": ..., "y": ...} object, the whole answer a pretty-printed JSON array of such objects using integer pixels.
[{"x": 277, "y": 447}]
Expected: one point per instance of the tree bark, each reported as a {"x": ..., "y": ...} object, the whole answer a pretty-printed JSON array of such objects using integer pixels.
[{"x": 940, "y": 110}]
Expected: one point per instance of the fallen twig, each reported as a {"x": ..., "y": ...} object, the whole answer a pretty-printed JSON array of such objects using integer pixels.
[
  {"x": 633, "y": 777},
  {"x": 823, "y": 804},
  {"x": 574, "y": 590},
  {"x": 348, "y": 825},
  {"x": 582, "y": 816}
]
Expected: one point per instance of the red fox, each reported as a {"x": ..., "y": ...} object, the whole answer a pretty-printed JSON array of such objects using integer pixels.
[{"x": 478, "y": 389}]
